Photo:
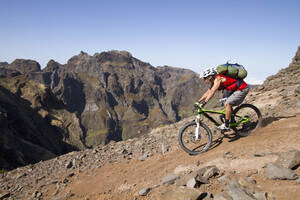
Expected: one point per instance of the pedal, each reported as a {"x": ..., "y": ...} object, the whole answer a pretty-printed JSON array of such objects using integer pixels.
[{"x": 224, "y": 131}]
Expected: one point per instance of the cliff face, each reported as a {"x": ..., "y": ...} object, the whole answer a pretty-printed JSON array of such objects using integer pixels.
[
  {"x": 34, "y": 124},
  {"x": 91, "y": 100},
  {"x": 117, "y": 96}
]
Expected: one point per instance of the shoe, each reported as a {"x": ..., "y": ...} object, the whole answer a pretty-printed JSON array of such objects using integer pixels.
[{"x": 223, "y": 127}]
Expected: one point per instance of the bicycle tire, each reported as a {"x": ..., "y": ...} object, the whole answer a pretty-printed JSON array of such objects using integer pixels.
[
  {"x": 250, "y": 126},
  {"x": 184, "y": 144}
]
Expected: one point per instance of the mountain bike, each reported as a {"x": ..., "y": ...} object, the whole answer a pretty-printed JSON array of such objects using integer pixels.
[{"x": 195, "y": 137}]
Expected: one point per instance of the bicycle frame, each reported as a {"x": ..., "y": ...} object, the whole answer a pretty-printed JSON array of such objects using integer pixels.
[{"x": 205, "y": 112}]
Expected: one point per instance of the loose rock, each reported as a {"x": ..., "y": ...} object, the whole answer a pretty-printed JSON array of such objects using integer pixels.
[
  {"x": 4, "y": 195},
  {"x": 191, "y": 183},
  {"x": 169, "y": 179},
  {"x": 144, "y": 191},
  {"x": 69, "y": 164},
  {"x": 222, "y": 196},
  {"x": 143, "y": 157}
]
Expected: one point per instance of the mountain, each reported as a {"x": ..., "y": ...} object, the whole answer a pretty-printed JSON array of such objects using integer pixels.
[
  {"x": 3, "y": 64},
  {"x": 90, "y": 101},
  {"x": 117, "y": 96},
  {"x": 34, "y": 124}
]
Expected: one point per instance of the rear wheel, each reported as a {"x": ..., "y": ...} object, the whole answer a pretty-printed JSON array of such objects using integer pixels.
[
  {"x": 248, "y": 119},
  {"x": 188, "y": 141}
]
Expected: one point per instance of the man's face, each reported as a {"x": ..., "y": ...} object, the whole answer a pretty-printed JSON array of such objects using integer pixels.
[{"x": 207, "y": 79}]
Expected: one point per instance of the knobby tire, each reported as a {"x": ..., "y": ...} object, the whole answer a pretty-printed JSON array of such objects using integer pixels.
[
  {"x": 252, "y": 127},
  {"x": 183, "y": 144}
]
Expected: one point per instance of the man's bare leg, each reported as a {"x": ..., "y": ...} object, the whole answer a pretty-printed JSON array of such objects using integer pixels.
[{"x": 228, "y": 111}]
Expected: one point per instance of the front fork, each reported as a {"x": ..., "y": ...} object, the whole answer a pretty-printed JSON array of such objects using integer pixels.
[{"x": 197, "y": 127}]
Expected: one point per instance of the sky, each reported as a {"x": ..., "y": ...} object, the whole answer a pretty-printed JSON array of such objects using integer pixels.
[{"x": 262, "y": 35}]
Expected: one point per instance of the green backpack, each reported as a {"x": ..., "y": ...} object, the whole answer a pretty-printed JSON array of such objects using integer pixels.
[{"x": 232, "y": 70}]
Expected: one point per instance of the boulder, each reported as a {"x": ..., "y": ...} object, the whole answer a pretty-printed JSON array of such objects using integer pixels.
[
  {"x": 207, "y": 172},
  {"x": 195, "y": 178},
  {"x": 237, "y": 192},
  {"x": 181, "y": 193},
  {"x": 275, "y": 172},
  {"x": 169, "y": 179},
  {"x": 288, "y": 159}
]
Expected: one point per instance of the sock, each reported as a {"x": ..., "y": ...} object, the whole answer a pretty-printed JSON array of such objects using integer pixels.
[{"x": 227, "y": 123}]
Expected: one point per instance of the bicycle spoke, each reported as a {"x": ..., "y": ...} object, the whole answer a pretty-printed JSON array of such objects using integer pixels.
[
  {"x": 246, "y": 119},
  {"x": 189, "y": 141}
]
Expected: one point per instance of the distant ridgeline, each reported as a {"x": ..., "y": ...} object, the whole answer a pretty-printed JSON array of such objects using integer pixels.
[{"x": 91, "y": 100}]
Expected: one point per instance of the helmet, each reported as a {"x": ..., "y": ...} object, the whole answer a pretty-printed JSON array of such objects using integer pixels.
[{"x": 208, "y": 72}]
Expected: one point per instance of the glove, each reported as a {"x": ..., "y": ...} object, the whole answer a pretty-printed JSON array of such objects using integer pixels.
[
  {"x": 200, "y": 105},
  {"x": 197, "y": 105}
]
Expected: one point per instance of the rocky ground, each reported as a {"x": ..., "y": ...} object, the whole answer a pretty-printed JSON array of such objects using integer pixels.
[{"x": 154, "y": 167}]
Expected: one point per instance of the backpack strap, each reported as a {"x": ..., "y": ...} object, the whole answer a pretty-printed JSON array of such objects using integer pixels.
[
  {"x": 227, "y": 93},
  {"x": 239, "y": 82}
]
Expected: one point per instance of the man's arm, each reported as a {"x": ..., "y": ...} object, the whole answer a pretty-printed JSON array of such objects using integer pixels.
[
  {"x": 204, "y": 95},
  {"x": 214, "y": 88}
]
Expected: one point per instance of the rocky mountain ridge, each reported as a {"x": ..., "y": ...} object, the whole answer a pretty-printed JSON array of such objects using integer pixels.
[{"x": 280, "y": 93}]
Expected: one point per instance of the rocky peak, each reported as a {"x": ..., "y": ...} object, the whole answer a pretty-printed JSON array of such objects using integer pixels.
[
  {"x": 279, "y": 94},
  {"x": 121, "y": 53},
  {"x": 3, "y": 64},
  {"x": 296, "y": 59},
  {"x": 285, "y": 77},
  {"x": 52, "y": 66},
  {"x": 77, "y": 58},
  {"x": 25, "y": 66}
]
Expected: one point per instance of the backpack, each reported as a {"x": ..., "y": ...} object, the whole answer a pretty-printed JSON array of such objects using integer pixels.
[{"x": 232, "y": 70}]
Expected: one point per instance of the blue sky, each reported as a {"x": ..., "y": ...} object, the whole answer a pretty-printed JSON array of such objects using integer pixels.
[{"x": 194, "y": 34}]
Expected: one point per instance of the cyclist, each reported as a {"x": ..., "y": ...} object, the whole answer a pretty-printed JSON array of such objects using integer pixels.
[{"x": 235, "y": 90}]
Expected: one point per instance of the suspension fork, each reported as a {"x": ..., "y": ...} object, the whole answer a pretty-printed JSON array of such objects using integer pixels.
[{"x": 198, "y": 121}]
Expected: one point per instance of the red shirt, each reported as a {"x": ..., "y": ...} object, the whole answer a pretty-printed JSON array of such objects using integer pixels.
[{"x": 230, "y": 84}]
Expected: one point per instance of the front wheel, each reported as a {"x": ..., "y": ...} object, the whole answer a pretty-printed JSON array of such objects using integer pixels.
[
  {"x": 190, "y": 143},
  {"x": 247, "y": 118}
]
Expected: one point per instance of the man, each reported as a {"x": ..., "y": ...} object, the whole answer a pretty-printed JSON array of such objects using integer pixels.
[{"x": 235, "y": 89}]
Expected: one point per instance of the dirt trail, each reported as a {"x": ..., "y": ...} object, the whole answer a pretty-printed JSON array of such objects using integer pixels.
[{"x": 124, "y": 180}]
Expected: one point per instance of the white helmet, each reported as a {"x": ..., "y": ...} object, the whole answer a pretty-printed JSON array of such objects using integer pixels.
[{"x": 208, "y": 72}]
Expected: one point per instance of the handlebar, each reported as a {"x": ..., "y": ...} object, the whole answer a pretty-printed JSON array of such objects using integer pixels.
[{"x": 198, "y": 106}]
